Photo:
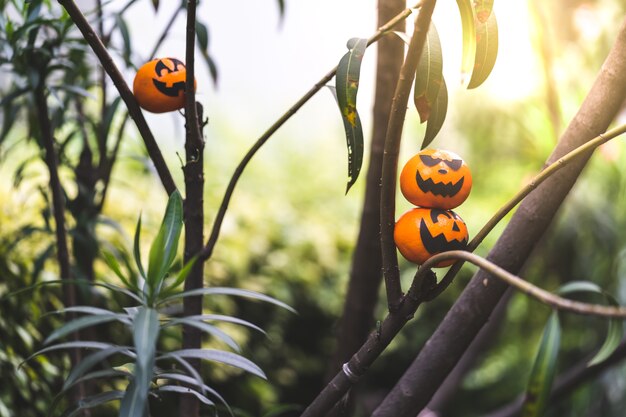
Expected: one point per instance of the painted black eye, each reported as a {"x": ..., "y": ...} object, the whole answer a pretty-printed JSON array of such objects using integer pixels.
[
  {"x": 429, "y": 161},
  {"x": 454, "y": 165}
]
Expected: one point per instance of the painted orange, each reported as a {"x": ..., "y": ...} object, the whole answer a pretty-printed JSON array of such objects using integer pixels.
[
  {"x": 436, "y": 178},
  {"x": 423, "y": 232},
  {"x": 159, "y": 85}
]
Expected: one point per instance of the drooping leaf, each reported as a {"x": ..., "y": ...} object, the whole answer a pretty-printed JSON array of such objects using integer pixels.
[
  {"x": 437, "y": 115},
  {"x": 281, "y": 9},
  {"x": 228, "y": 319},
  {"x": 96, "y": 400},
  {"x": 347, "y": 83},
  {"x": 90, "y": 361},
  {"x": 615, "y": 331},
  {"x": 544, "y": 368},
  {"x": 186, "y": 390},
  {"x": 229, "y": 291},
  {"x": 202, "y": 34},
  {"x": 227, "y": 358},
  {"x": 468, "y": 26},
  {"x": 203, "y": 388},
  {"x": 81, "y": 323},
  {"x": 429, "y": 75},
  {"x": 207, "y": 328},
  {"x": 70, "y": 345},
  {"x": 483, "y": 9},
  {"x": 486, "y": 50},
  {"x": 165, "y": 245},
  {"x": 155, "y": 4}
]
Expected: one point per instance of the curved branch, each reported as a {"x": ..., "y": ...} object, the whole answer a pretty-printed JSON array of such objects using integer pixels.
[
  {"x": 219, "y": 218},
  {"x": 526, "y": 287}
]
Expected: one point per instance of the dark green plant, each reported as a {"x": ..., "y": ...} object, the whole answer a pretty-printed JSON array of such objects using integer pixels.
[{"x": 152, "y": 291}]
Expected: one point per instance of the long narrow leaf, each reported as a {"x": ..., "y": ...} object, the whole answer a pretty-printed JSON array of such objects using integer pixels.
[
  {"x": 81, "y": 323},
  {"x": 542, "y": 374},
  {"x": 227, "y": 319},
  {"x": 90, "y": 361},
  {"x": 96, "y": 400},
  {"x": 227, "y": 358},
  {"x": 468, "y": 26},
  {"x": 437, "y": 115},
  {"x": 165, "y": 245},
  {"x": 615, "y": 331},
  {"x": 207, "y": 328},
  {"x": 182, "y": 276},
  {"x": 229, "y": 291},
  {"x": 69, "y": 345},
  {"x": 486, "y": 50},
  {"x": 112, "y": 263},
  {"x": 192, "y": 382},
  {"x": 347, "y": 84},
  {"x": 429, "y": 75},
  {"x": 186, "y": 390},
  {"x": 136, "y": 249}
]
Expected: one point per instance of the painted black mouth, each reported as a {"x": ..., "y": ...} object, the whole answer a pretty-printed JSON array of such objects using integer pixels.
[
  {"x": 172, "y": 91},
  {"x": 444, "y": 189},
  {"x": 439, "y": 243}
]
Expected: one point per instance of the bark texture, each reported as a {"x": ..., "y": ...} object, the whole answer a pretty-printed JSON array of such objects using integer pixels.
[{"x": 473, "y": 308}]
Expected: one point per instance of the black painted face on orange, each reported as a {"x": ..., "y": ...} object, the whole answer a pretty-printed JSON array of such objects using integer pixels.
[
  {"x": 442, "y": 180},
  {"x": 446, "y": 232},
  {"x": 169, "y": 71}
]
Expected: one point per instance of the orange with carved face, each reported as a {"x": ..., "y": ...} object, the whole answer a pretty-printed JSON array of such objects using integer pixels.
[
  {"x": 159, "y": 85},
  {"x": 423, "y": 232},
  {"x": 436, "y": 178}
]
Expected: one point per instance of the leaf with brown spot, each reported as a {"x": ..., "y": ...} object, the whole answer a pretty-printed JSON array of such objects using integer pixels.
[{"x": 429, "y": 75}]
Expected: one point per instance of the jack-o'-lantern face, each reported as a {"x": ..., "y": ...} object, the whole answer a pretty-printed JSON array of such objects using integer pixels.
[
  {"x": 159, "y": 85},
  {"x": 436, "y": 178},
  {"x": 423, "y": 232}
]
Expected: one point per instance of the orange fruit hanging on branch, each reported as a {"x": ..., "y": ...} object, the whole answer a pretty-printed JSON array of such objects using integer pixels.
[
  {"x": 436, "y": 178},
  {"x": 159, "y": 85},
  {"x": 423, "y": 232}
]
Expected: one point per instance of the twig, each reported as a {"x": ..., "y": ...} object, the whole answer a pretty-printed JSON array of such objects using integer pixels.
[
  {"x": 391, "y": 272},
  {"x": 118, "y": 80},
  {"x": 526, "y": 287},
  {"x": 219, "y": 218}
]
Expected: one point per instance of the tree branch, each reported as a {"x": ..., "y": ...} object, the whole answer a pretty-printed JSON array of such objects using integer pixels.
[
  {"x": 207, "y": 251},
  {"x": 391, "y": 272},
  {"x": 477, "y": 301},
  {"x": 118, "y": 80}
]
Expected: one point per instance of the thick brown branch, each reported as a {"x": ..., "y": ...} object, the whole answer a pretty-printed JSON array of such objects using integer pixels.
[
  {"x": 526, "y": 227},
  {"x": 391, "y": 272}
]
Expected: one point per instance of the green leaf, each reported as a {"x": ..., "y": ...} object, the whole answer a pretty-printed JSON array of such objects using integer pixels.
[
  {"x": 227, "y": 319},
  {"x": 96, "y": 400},
  {"x": 70, "y": 345},
  {"x": 437, "y": 115},
  {"x": 90, "y": 361},
  {"x": 227, "y": 358},
  {"x": 112, "y": 263},
  {"x": 182, "y": 276},
  {"x": 145, "y": 335},
  {"x": 483, "y": 9},
  {"x": 165, "y": 245},
  {"x": 281, "y": 9},
  {"x": 186, "y": 390},
  {"x": 429, "y": 75},
  {"x": 193, "y": 321},
  {"x": 486, "y": 50},
  {"x": 202, "y": 34},
  {"x": 108, "y": 116},
  {"x": 172, "y": 376},
  {"x": 347, "y": 83},
  {"x": 155, "y": 4},
  {"x": 468, "y": 26},
  {"x": 123, "y": 27},
  {"x": 544, "y": 368},
  {"x": 83, "y": 322},
  {"x": 136, "y": 250},
  {"x": 229, "y": 291},
  {"x": 615, "y": 331}
]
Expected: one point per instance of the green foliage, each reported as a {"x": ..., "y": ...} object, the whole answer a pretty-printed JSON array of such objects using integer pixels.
[{"x": 146, "y": 322}]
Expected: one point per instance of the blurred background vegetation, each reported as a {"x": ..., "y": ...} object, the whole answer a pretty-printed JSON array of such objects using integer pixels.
[{"x": 290, "y": 231}]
